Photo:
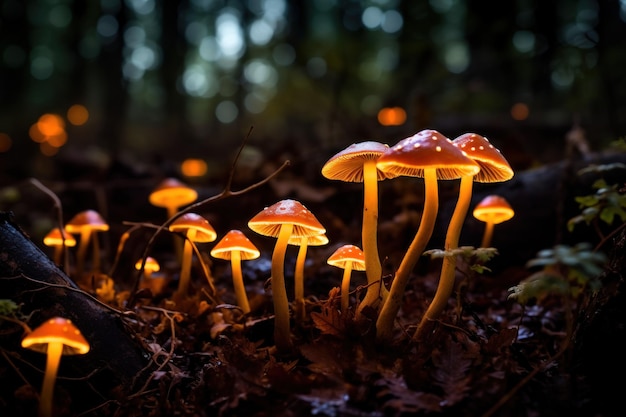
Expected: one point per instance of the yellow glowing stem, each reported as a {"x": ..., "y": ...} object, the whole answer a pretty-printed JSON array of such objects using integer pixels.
[
  {"x": 384, "y": 324},
  {"x": 375, "y": 291},
  {"x": 299, "y": 278},
  {"x": 185, "y": 269},
  {"x": 240, "y": 289},
  {"x": 345, "y": 287},
  {"x": 54, "y": 351},
  {"x": 448, "y": 267},
  {"x": 488, "y": 234},
  {"x": 279, "y": 293},
  {"x": 85, "y": 236}
]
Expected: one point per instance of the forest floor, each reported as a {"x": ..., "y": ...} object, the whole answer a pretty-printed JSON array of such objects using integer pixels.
[{"x": 487, "y": 355}]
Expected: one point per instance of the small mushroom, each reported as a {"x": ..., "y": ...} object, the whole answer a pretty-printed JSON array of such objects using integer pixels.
[
  {"x": 87, "y": 223},
  {"x": 195, "y": 228},
  {"x": 357, "y": 163},
  {"x": 492, "y": 210},
  {"x": 236, "y": 247},
  {"x": 430, "y": 155},
  {"x": 282, "y": 220},
  {"x": 172, "y": 194},
  {"x": 348, "y": 257},
  {"x": 303, "y": 242},
  {"x": 57, "y": 240},
  {"x": 57, "y": 336}
]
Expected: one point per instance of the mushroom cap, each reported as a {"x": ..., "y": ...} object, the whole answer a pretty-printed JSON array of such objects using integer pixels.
[
  {"x": 345, "y": 254},
  {"x": 269, "y": 220},
  {"x": 493, "y": 166},
  {"x": 235, "y": 240},
  {"x": 494, "y": 209},
  {"x": 317, "y": 240},
  {"x": 56, "y": 238},
  {"x": 57, "y": 330},
  {"x": 88, "y": 219},
  {"x": 426, "y": 149},
  {"x": 152, "y": 265},
  {"x": 204, "y": 231},
  {"x": 347, "y": 165},
  {"x": 172, "y": 193}
]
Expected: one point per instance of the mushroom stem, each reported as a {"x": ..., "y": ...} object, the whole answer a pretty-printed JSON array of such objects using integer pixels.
[
  {"x": 185, "y": 269},
  {"x": 299, "y": 279},
  {"x": 448, "y": 267},
  {"x": 95, "y": 246},
  {"x": 240, "y": 289},
  {"x": 486, "y": 242},
  {"x": 279, "y": 293},
  {"x": 345, "y": 287},
  {"x": 85, "y": 236},
  {"x": 373, "y": 269},
  {"x": 384, "y": 323},
  {"x": 54, "y": 351}
]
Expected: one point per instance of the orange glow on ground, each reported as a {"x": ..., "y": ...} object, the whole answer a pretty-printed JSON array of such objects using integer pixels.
[
  {"x": 392, "y": 116},
  {"x": 193, "y": 167},
  {"x": 77, "y": 115}
]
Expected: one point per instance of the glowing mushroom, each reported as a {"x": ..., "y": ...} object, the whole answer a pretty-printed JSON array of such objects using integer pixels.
[
  {"x": 57, "y": 336},
  {"x": 303, "y": 242},
  {"x": 282, "y": 220},
  {"x": 357, "y": 163},
  {"x": 492, "y": 210},
  {"x": 430, "y": 155},
  {"x": 195, "y": 228},
  {"x": 87, "y": 223},
  {"x": 493, "y": 168},
  {"x": 348, "y": 257},
  {"x": 58, "y": 241},
  {"x": 236, "y": 247},
  {"x": 172, "y": 194}
]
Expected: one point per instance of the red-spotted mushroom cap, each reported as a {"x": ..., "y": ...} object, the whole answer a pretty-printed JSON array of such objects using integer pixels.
[
  {"x": 493, "y": 209},
  {"x": 235, "y": 240},
  {"x": 269, "y": 221},
  {"x": 204, "y": 232},
  {"x": 426, "y": 149},
  {"x": 57, "y": 330},
  {"x": 345, "y": 254},
  {"x": 493, "y": 166}
]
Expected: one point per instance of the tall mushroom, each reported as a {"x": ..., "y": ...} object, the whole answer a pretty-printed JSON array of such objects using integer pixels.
[
  {"x": 357, "y": 163},
  {"x": 348, "y": 257},
  {"x": 430, "y": 155},
  {"x": 194, "y": 228},
  {"x": 57, "y": 336},
  {"x": 236, "y": 247},
  {"x": 492, "y": 210},
  {"x": 303, "y": 242},
  {"x": 86, "y": 224},
  {"x": 493, "y": 168},
  {"x": 282, "y": 220}
]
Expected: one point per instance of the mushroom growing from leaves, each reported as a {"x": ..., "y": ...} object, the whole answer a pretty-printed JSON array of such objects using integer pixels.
[
  {"x": 430, "y": 155},
  {"x": 87, "y": 223},
  {"x": 236, "y": 247},
  {"x": 303, "y": 242},
  {"x": 493, "y": 168},
  {"x": 57, "y": 336},
  {"x": 282, "y": 220},
  {"x": 492, "y": 210},
  {"x": 357, "y": 163},
  {"x": 58, "y": 241},
  {"x": 348, "y": 257},
  {"x": 195, "y": 229},
  {"x": 149, "y": 280}
]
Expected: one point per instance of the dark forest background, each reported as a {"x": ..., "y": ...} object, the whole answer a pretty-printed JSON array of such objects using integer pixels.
[{"x": 168, "y": 80}]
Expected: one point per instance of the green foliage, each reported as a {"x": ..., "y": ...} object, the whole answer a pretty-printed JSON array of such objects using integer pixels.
[
  {"x": 8, "y": 308},
  {"x": 567, "y": 271},
  {"x": 608, "y": 202},
  {"x": 475, "y": 257}
]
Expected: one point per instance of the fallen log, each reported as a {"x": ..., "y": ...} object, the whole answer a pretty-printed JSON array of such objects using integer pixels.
[{"x": 111, "y": 368}]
